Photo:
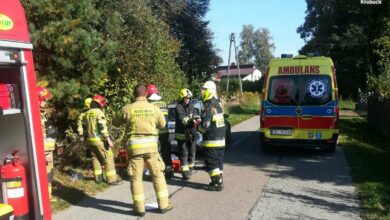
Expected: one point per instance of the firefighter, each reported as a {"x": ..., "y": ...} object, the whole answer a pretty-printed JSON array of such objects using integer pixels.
[
  {"x": 49, "y": 143},
  {"x": 212, "y": 127},
  {"x": 185, "y": 132},
  {"x": 80, "y": 126},
  {"x": 163, "y": 135},
  {"x": 143, "y": 120},
  {"x": 80, "y": 130},
  {"x": 99, "y": 141}
]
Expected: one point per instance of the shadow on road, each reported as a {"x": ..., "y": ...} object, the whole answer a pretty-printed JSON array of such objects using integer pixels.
[
  {"x": 323, "y": 201},
  {"x": 112, "y": 206},
  {"x": 328, "y": 172},
  {"x": 290, "y": 162},
  {"x": 179, "y": 182}
]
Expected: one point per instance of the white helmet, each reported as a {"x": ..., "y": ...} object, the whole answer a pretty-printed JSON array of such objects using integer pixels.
[
  {"x": 210, "y": 86},
  {"x": 209, "y": 90}
]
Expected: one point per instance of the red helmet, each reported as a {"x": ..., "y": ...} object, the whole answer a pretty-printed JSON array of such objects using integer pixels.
[
  {"x": 43, "y": 94},
  {"x": 152, "y": 89},
  {"x": 100, "y": 100}
]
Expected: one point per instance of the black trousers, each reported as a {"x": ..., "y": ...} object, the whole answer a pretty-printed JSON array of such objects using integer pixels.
[
  {"x": 165, "y": 149},
  {"x": 187, "y": 151},
  {"x": 214, "y": 157}
]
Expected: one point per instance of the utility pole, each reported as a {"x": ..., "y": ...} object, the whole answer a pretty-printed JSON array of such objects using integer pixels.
[
  {"x": 228, "y": 70},
  {"x": 232, "y": 39},
  {"x": 238, "y": 65}
]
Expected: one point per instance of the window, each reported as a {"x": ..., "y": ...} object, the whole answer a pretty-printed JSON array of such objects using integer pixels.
[
  {"x": 316, "y": 90},
  {"x": 283, "y": 90},
  {"x": 300, "y": 90}
]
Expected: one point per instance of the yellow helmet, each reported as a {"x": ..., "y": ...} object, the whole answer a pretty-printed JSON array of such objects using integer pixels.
[
  {"x": 87, "y": 103},
  {"x": 185, "y": 93}
]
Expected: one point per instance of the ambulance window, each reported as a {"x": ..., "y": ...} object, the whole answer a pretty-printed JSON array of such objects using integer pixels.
[
  {"x": 316, "y": 90},
  {"x": 283, "y": 90}
]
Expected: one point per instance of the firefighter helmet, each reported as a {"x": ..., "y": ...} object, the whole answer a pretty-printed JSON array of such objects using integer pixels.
[
  {"x": 185, "y": 93},
  {"x": 210, "y": 85},
  {"x": 43, "y": 94},
  {"x": 87, "y": 103},
  {"x": 209, "y": 89},
  {"x": 152, "y": 89},
  {"x": 100, "y": 100}
]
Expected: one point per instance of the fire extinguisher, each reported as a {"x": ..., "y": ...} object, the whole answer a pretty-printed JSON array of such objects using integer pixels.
[{"x": 14, "y": 187}]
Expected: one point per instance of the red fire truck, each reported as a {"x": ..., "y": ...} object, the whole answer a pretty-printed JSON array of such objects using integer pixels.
[{"x": 23, "y": 180}]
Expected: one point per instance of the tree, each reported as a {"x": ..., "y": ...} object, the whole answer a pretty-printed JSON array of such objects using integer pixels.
[
  {"x": 73, "y": 49},
  {"x": 197, "y": 57},
  {"x": 256, "y": 46},
  {"x": 147, "y": 54},
  {"x": 263, "y": 48},
  {"x": 349, "y": 33},
  {"x": 245, "y": 55},
  {"x": 77, "y": 52}
]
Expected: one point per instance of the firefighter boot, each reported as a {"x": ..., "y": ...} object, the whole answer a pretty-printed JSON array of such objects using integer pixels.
[
  {"x": 220, "y": 184},
  {"x": 216, "y": 183},
  {"x": 99, "y": 178},
  {"x": 168, "y": 172},
  {"x": 167, "y": 209},
  {"x": 186, "y": 174},
  {"x": 191, "y": 166}
]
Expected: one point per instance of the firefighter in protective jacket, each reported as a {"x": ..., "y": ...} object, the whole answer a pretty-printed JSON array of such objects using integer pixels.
[
  {"x": 163, "y": 134},
  {"x": 185, "y": 132},
  {"x": 49, "y": 143},
  {"x": 99, "y": 141},
  {"x": 80, "y": 126},
  {"x": 213, "y": 129},
  {"x": 143, "y": 120}
]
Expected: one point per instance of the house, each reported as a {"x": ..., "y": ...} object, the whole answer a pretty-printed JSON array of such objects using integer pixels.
[{"x": 248, "y": 72}]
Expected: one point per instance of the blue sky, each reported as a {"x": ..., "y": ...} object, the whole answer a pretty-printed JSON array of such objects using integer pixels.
[{"x": 281, "y": 17}]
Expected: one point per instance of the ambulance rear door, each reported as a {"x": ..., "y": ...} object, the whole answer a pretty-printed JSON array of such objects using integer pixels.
[
  {"x": 316, "y": 107},
  {"x": 280, "y": 107}
]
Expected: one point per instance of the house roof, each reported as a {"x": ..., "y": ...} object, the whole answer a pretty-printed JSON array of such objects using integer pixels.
[{"x": 245, "y": 69}]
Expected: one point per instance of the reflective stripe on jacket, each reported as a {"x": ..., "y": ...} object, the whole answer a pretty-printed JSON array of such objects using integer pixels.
[{"x": 142, "y": 144}]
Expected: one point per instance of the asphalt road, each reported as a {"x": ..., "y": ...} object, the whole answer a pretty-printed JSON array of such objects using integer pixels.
[{"x": 282, "y": 184}]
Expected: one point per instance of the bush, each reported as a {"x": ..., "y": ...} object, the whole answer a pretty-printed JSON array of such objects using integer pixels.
[
  {"x": 234, "y": 86},
  {"x": 250, "y": 99},
  {"x": 381, "y": 84},
  {"x": 255, "y": 86},
  {"x": 247, "y": 86}
]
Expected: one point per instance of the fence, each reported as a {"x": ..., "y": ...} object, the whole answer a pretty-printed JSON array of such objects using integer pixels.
[{"x": 378, "y": 113}]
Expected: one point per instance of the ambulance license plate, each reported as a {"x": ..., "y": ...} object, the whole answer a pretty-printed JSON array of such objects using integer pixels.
[{"x": 281, "y": 132}]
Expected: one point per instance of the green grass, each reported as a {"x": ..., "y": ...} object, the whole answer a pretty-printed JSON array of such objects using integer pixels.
[
  {"x": 347, "y": 104},
  {"x": 241, "y": 113},
  {"x": 68, "y": 191},
  {"x": 368, "y": 155}
]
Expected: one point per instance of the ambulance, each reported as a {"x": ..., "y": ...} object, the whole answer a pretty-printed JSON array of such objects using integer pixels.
[{"x": 299, "y": 105}]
